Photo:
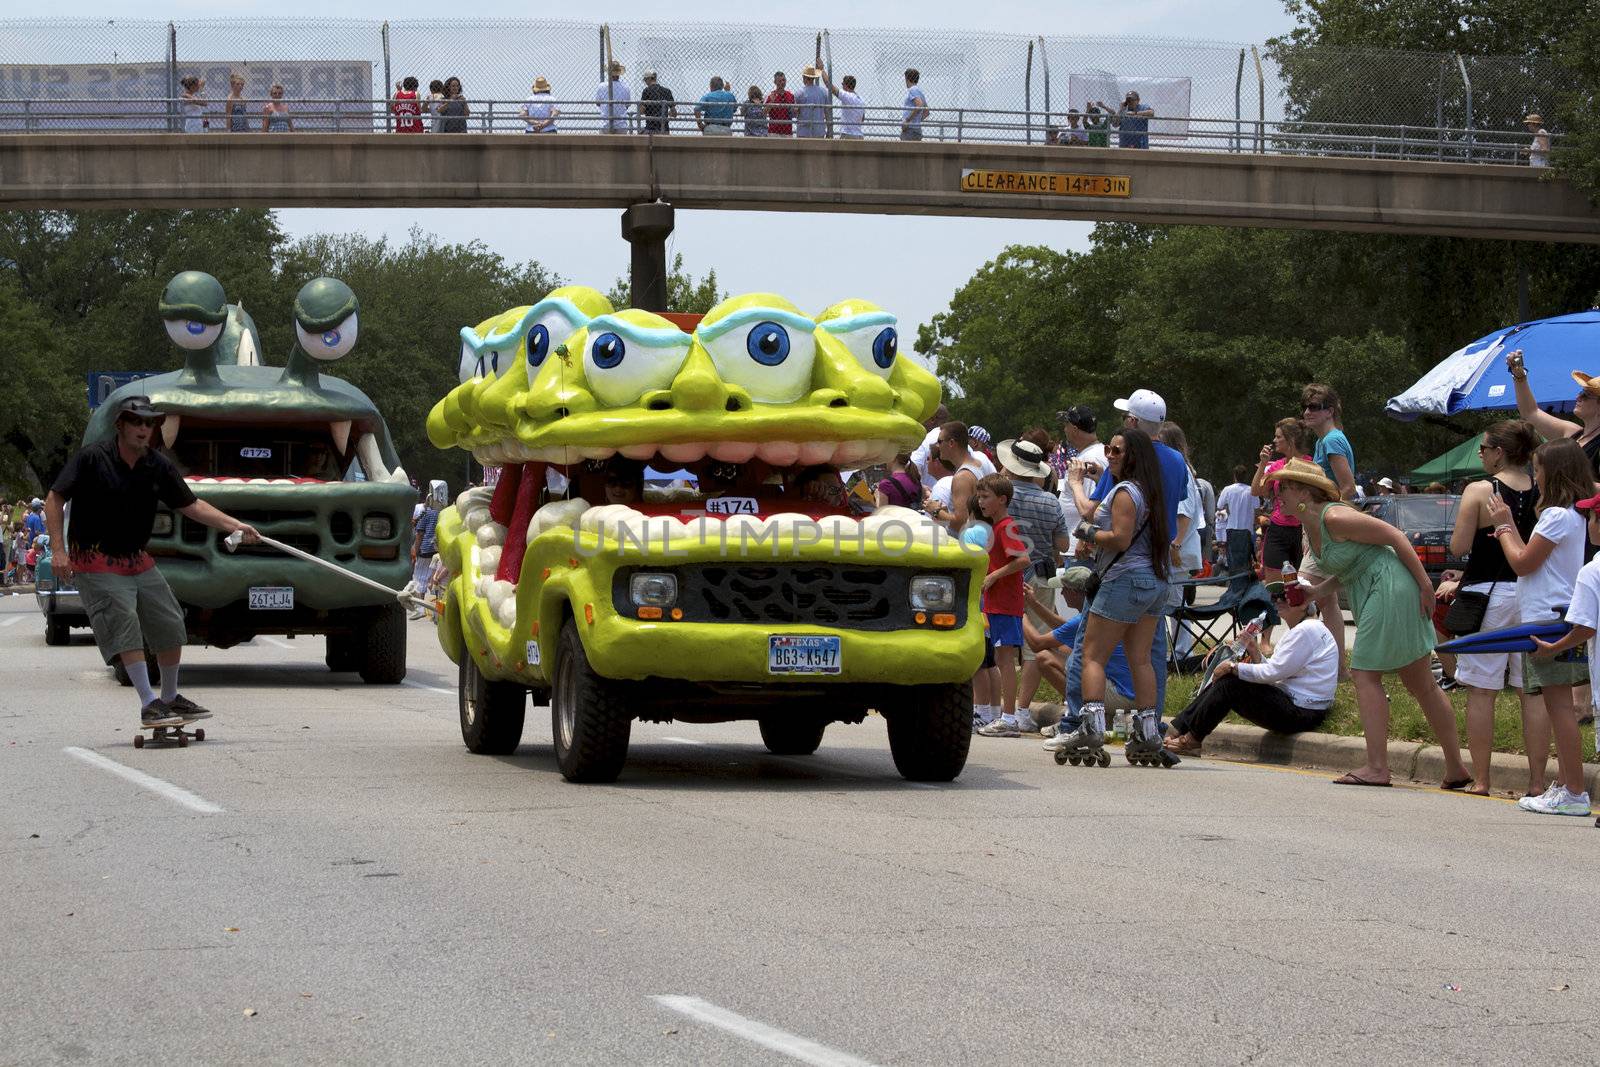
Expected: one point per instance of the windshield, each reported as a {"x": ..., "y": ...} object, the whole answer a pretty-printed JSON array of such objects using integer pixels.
[
  {"x": 258, "y": 452},
  {"x": 1425, "y": 512}
]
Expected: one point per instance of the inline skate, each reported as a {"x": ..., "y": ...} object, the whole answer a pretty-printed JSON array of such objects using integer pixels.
[
  {"x": 1085, "y": 746},
  {"x": 1144, "y": 748}
]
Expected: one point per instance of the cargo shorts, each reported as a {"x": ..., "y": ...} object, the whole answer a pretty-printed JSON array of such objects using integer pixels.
[{"x": 130, "y": 612}]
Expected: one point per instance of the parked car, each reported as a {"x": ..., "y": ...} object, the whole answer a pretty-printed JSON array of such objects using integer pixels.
[{"x": 1427, "y": 520}]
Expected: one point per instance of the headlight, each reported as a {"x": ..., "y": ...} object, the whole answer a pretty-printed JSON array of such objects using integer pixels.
[
  {"x": 653, "y": 590},
  {"x": 377, "y": 526},
  {"x": 930, "y": 592},
  {"x": 163, "y": 524}
]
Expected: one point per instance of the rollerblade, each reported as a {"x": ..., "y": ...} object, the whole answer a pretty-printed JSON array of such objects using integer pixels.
[
  {"x": 1144, "y": 747},
  {"x": 1085, "y": 746}
]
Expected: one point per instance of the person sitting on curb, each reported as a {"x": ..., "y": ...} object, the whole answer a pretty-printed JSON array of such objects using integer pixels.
[
  {"x": 1054, "y": 649},
  {"x": 1289, "y": 693}
]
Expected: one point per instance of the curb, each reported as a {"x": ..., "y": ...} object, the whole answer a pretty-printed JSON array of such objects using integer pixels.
[{"x": 1408, "y": 760}]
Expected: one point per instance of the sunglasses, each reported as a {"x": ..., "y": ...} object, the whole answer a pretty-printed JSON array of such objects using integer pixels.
[{"x": 147, "y": 423}]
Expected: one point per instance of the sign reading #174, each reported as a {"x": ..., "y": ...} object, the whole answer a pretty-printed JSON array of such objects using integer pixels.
[{"x": 1044, "y": 183}]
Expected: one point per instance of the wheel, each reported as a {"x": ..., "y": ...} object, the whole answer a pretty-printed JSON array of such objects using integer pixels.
[
  {"x": 1105, "y": 758},
  {"x": 138, "y": 741},
  {"x": 343, "y": 653},
  {"x": 930, "y": 731},
  {"x": 200, "y": 734},
  {"x": 1074, "y": 760},
  {"x": 1061, "y": 759},
  {"x": 491, "y": 712},
  {"x": 382, "y": 647},
  {"x": 792, "y": 734},
  {"x": 588, "y": 722},
  {"x": 56, "y": 631}
]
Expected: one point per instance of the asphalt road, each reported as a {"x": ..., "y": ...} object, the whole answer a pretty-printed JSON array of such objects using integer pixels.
[{"x": 375, "y": 894}]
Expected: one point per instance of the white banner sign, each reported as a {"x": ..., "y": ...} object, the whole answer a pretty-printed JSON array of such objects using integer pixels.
[{"x": 1165, "y": 96}]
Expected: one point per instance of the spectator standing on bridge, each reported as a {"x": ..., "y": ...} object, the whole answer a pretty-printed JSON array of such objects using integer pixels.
[
  {"x": 714, "y": 113},
  {"x": 656, "y": 104},
  {"x": 1096, "y": 125},
  {"x": 114, "y": 487},
  {"x": 614, "y": 97},
  {"x": 1538, "y": 151},
  {"x": 755, "y": 113},
  {"x": 275, "y": 116},
  {"x": 914, "y": 109},
  {"x": 811, "y": 116},
  {"x": 538, "y": 113},
  {"x": 430, "y": 106},
  {"x": 193, "y": 107},
  {"x": 852, "y": 111},
  {"x": 236, "y": 109},
  {"x": 453, "y": 109},
  {"x": 406, "y": 107},
  {"x": 780, "y": 108},
  {"x": 1133, "y": 122}
]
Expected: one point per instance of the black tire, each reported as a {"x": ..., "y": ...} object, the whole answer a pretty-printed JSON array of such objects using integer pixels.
[
  {"x": 930, "y": 731},
  {"x": 56, "y": 631},
  {"x": 795, "y": 733},
  {"x": 383, "y": 647},
  {"x": 343, "y": 652},
  {"x": 588, "y": 722},
  {"x": 491, "y": 712}
]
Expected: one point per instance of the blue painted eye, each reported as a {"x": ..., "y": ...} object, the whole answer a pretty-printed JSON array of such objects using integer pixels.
[
  {"x": 195, "y": 328},
  {"x": 608, "y": 351},
  {"x": 885, "y": 347},
  {"x": 331, "y": 338},
  {"x": 494, "y": 362},
  {"x": 768, "y": 344},
  {"x": 538, "y": 344}
]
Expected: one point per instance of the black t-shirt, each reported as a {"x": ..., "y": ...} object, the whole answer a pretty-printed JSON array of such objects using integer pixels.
[
  {"x": 114, "y": 505},
  {"x": 653, "y": 103}
]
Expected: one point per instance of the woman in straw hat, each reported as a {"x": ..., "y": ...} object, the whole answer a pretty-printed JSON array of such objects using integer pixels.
[
  {"x": 1586, "y": 406},
  {"x": 1393, "y": 602},
  {"x": 538, "y": 113}
]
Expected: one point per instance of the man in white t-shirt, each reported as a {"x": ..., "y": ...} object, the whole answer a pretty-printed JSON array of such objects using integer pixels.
[
  {"x": 851, "y": 108},
  {"x": 613, "y": 96},
  {"x": 1077, "y": 432},
  {"x": 1236, "y": 520},
  {"x": 538, "y": 113},
  {"x": 929, "y": 447}
]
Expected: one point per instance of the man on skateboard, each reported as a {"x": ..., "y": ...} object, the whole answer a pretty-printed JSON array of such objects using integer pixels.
[{"x": 115, "y": 486}]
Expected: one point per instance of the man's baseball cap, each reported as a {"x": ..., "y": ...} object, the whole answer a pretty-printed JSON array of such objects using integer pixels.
[
  {"x": 138, "y": 407},
  {"x": 1080, "y": 415},
  {"x": 1144, "y": 404},
  {"x": 36, "y": 503},
  {"x": 648, "y": 74},
  {"x": 1072, "y": 579}
]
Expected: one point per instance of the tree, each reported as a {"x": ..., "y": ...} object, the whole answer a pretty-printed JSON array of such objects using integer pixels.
[{"x": 684, "y": 294}]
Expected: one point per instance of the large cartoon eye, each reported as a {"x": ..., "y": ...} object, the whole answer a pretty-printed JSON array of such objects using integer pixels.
[
  {"x": 770, "y": 359},
  {"x": 488, "y": 363},
  {"x": 885, "y": 347},
  {"x": 329, "y": 344},
  {"x": 538, "y": 345},
  {"x": 467, "y": 365},
  {"x": 187, "y": 333},
  {"x": 872, "y": 338},
  {"x": 622, "y": 368}
]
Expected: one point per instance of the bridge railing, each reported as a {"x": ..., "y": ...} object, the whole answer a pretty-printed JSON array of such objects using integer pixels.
[{"x": 977, "y": 126}]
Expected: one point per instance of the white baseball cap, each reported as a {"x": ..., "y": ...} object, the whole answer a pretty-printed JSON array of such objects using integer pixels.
[
  {"x": 1144, "y": 404},
  {"x": 1387, "y": 483}
]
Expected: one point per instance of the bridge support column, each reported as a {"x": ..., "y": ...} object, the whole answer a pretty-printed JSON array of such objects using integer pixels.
[{"x": 645, "y": 227}]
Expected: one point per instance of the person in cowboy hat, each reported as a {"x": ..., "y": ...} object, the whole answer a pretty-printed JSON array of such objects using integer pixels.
[
  {"x": 811, "y": 112},
  {"x": 538, "y": 113},
  {"x": 613, "y": 96},
  {"x": 1043, "y": 526},
  {"x": 1392, "y": 600},
  {"x": 1538, "y": 150},
  {"x": 1586, "y": 406},
  {"x": 114, "y": 486}
]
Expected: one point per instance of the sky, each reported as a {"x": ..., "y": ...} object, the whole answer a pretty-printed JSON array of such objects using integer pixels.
[{"x": 911, "y": 265}]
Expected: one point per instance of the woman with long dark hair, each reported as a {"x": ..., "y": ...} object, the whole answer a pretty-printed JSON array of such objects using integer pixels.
[{"x": 1130, "y": 538}]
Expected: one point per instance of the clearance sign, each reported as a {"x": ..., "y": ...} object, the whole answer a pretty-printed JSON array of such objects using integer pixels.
[{"x": 1043, "y": 183}]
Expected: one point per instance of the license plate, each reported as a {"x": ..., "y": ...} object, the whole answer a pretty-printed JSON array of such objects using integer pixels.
[
  {"x": 271, "y": 598},
  {"x": 803, "y": 655}
]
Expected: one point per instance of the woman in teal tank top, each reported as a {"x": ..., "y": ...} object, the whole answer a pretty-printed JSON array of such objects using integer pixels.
[{"x": 1392, "y": 601}]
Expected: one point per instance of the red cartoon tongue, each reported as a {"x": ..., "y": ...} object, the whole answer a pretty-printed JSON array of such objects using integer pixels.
[{"x": 529, "y": 479}]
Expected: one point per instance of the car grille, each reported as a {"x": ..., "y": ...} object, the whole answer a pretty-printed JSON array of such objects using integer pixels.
[{"x": 842, "y": 596}]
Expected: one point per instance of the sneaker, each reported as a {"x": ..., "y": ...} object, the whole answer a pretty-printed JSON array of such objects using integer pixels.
[
  {"x": 1000, "y": 728},
  {"x": 1561, "y": 802},
  {"x": 1026, "y": 724},
  {"x": 1448, "y": 683},
  {"x": 1542, "y": 798},
  {"x": 1048, "y": 730},
  {"x": 156, "y": 713},
  {"x": 188, "y": 708}
]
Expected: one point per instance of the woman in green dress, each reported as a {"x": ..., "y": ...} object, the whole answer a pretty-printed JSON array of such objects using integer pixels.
[{"x": 1392, "y": 600}]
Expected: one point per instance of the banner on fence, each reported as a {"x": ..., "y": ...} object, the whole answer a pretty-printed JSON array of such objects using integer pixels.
[{"x": 1165, "y": 96}]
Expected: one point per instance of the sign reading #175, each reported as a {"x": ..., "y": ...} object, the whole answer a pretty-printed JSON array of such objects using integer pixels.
[{"x": 1044, "y": 183}]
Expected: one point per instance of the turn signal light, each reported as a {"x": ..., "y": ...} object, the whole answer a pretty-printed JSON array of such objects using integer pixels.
[
  {"x": 944, "y": 619},
  {"x": 649, "y": 613},
  {"x": 379, "y": 552},
  {"x": 921, "y": 617}
]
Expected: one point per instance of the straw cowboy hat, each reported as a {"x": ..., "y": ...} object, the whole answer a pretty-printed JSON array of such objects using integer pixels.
[
  {"x": 811, "y": 72},
  {"x": 617, "y": 68},
  {"x": 1022, "y": 458},
  {"x": 1590, "y": 383},
  {"x": 1309, "y": 474},
  {"x": 541, "y": 84},
  {"x": 1533, "y": 120}
]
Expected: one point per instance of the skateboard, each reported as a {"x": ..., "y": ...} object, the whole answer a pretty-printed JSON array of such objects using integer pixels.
[{"x": 170, "y": 735}]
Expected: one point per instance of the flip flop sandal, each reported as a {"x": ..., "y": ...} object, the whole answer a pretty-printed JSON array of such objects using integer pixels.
[
  {"x": 1457, "y": 785},
  {"x": 1351, "y": 779}
]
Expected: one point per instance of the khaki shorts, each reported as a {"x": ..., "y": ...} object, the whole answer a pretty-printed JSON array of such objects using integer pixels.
[{"x": 131, "y": 612}]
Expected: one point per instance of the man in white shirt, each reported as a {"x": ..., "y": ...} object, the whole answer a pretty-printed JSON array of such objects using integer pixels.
[
  {"x": 1077, "y": 433},
  {"x": 538, "y": 114},
  {"x": 1290, "y": 693},
  {"x": 613, "y": 96},
  {"x": 851, "y": 108},
  {"x": 929, "y": 447},
  {"x": 1236, "y": 520},
  {"x": 1538, "y": 150}
]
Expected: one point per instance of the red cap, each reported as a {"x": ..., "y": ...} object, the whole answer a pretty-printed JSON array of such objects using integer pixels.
[{"x": 1588, "y": 505}]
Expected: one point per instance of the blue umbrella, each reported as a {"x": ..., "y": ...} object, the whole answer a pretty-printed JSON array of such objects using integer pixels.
[{"x": 1474, "y": 378}]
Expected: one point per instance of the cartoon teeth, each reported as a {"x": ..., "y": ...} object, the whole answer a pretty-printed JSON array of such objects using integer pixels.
[{"x": 777, "y": 453}]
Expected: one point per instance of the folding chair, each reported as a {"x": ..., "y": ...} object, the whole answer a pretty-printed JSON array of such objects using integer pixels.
[{"x": 1208, "y": 625}]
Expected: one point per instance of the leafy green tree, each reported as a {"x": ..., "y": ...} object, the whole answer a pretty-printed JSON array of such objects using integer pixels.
[{"x": 685, "y": 295}]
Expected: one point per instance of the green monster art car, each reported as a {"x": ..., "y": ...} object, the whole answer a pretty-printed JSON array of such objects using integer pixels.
[
  {"x": 304, "y": 457},
  {"x": 756, "y": 595}
]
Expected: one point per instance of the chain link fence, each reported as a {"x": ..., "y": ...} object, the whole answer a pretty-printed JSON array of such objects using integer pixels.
[{"x": 338, "y": 74}]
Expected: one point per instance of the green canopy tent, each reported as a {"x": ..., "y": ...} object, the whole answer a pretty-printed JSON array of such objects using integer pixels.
[{"x": 1460, "y": 462}]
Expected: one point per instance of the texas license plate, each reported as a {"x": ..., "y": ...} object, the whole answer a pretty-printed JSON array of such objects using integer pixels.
[
  {"x": 271, "y": 598},
  {"x": 802, "y": 655}
]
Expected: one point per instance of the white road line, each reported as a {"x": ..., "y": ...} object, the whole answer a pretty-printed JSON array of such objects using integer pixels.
[
  {"x": 799, "y": 1048},
  {"x": 13, "y": 620},
  {"x": 685, "y": 740},
  {"x": 429, "y": 688},
  {"x": 173, "y": 793}
]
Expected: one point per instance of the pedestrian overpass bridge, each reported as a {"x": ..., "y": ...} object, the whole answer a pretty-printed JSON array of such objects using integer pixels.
[{"x": 163, "y": 170}]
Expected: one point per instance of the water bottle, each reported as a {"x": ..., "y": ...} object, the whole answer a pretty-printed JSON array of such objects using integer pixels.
[{"x": 1122, "y": 724}]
